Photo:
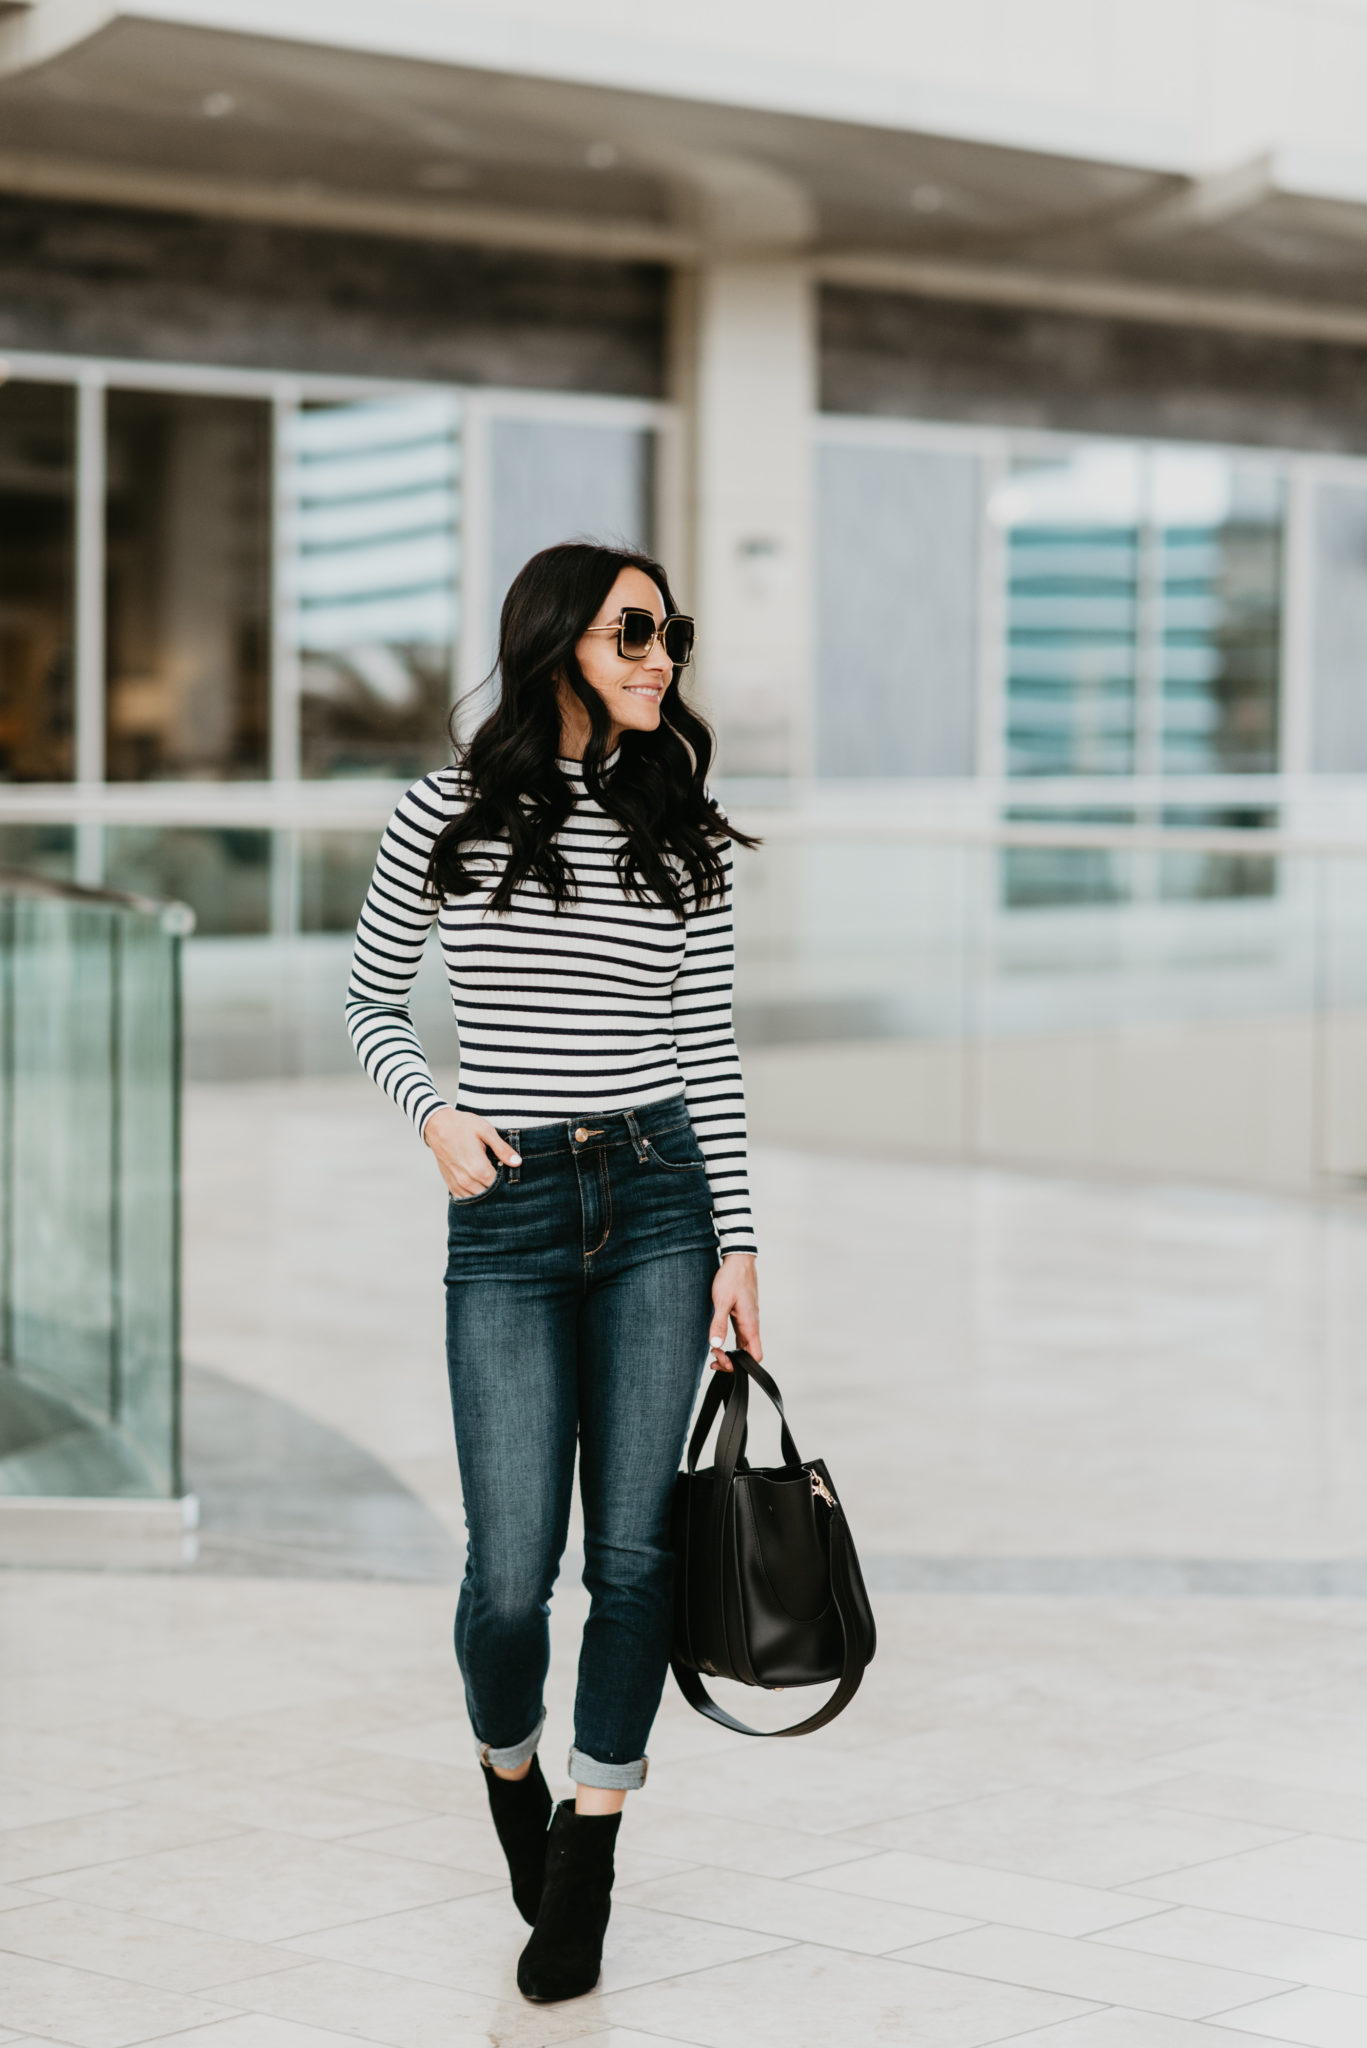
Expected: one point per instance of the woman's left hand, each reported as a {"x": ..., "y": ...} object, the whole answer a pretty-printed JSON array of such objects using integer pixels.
[{"x": 735, "y": 1299}]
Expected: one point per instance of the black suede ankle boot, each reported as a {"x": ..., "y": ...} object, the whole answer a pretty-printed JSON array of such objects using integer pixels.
[
  {"x": 521, "y": 1808},
  {"x": 565, "y": 1953}
]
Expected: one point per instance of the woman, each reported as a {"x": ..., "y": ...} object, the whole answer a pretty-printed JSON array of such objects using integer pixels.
[{"x": 595, "y": 1160}]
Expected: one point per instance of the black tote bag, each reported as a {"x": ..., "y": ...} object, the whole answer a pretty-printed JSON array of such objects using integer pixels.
[{"x": 767, "y": 1586}]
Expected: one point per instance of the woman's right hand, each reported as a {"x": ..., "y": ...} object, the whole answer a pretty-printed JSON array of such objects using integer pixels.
[{"x": 461, "y": 1144}]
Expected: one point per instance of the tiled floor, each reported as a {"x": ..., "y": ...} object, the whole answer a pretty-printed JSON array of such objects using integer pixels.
[
  {"x": 238, "y": 1807},
  {"x": 246, "y": 1808},
  {"x": 997, "y": 1367}
]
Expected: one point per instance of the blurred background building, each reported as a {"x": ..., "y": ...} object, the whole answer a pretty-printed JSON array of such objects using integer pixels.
[{"x": 993, "y": 381}]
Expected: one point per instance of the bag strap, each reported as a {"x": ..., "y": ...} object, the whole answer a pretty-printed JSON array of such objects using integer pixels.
[
  {"x": 733, "y": 1389},
  {"x": 730, "y": 1388},
  {"x": 852, "y": 1669}
]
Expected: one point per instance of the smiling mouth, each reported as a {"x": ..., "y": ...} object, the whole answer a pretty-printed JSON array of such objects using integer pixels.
[{"x": 643, "y": 690}]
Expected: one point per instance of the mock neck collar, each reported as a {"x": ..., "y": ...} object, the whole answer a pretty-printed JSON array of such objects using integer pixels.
[{"x": 576, "y": 768}]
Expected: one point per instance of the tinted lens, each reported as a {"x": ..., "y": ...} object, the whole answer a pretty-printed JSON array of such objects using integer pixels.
[
  {"x": 636, "y": 632},
  {"x": 678, "y": 639}
]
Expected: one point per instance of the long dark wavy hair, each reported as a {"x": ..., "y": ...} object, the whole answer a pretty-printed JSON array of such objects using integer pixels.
[{"x": 671, "y": 828}]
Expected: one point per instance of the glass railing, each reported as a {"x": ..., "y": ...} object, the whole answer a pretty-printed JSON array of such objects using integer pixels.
[
  {"x": 90, "y": 1064},
  {"x": 1111, "y": 980},
  {"x": 1188, "y": 1003}
]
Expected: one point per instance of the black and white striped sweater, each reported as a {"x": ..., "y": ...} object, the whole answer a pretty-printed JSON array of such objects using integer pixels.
[{"x": 605, "y": 1004}]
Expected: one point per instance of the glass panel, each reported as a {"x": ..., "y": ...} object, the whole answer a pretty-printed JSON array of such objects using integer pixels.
[
  {"x": 89, "y": 1138},
  {"x": 1036, "y": 877},
  {"x": 1152, "y": 1035},
  {"x": 1187, "y": 877},
  {"x": 148, "y": 1212},
  {"x": 188, "y": 537},
  {"x": 272, "y": 1006},
  {"x": 334, "y": 874},
  {"x": 1219, "y": 530},
  {"x": 1104, "y": 1027},
  {"x": 553, "y": 481},
  {"x": 37, "y": 553},
  {"x": 222, "y": 872},
  {"x": 855, "y": 956},
  {"x": 47, "y": 850},
  {"x": 61, "y": 1294},
  {"x": 1041, "y": 877},
  {"x": 1341, "y": 906},
  {"x": 370, "y": 559},
  {"x": 897, "y": 604},
  {"x": 1339, "y": 717},
  {"x": 1073, "y": 528}
]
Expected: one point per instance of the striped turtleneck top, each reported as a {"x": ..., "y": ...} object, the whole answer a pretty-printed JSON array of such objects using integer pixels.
[{"x": 605, "y": 1004}]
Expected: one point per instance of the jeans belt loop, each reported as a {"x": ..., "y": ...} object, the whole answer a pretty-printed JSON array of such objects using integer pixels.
[
  {"x": 515, "y": 1140},
  {"x": 637, "y": 1140}
]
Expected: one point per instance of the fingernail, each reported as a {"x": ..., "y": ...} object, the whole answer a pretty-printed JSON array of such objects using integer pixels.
[{"x": 516, "y": 1159}]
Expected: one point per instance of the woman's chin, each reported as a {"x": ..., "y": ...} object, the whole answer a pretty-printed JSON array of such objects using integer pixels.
[{"x": 639, "y": 715}]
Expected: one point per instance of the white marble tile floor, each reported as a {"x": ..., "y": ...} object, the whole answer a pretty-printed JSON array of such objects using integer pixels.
[
  {"x": 1077, "y": 1805},
  {"x": 1306, "y": 1880},
  {"x": 154, "y": 1920},
  {"x": 1092, "y": 1969},
  {"x": 1333, "y": 1962},
  {"x": 261, "y": 1885},
  {"x": 404, "y": 2011},
  {"x": 1317, "y": 2019},
  {"x": 1116, "y": 2028},
  {"x": 1298, "y": 1809},
  {"x": 130, "y": 1946}
]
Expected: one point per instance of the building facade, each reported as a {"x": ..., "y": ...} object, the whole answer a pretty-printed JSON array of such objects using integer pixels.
[{"x": 993, "y": 380}]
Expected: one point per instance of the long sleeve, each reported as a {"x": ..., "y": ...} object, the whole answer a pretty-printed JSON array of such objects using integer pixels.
[
  {"x": 395, "y": 922},
  {"x": 705, "y": 1040}
]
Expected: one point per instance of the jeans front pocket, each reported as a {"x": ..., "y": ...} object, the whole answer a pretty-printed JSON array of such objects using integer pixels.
[
  {"x": 455, "y": 1202},
  {"x": 678, "y": 1151}
]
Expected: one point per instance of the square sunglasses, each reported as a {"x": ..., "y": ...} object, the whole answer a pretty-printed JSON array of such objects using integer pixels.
[{"x": 637, "y": 633}]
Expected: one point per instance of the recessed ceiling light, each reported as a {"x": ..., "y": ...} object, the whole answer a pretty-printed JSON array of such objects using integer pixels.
[
  {"x": 926, "y": 199},
  {"x": 601, "y": 156},
  {"x": 215, "y": 105}
]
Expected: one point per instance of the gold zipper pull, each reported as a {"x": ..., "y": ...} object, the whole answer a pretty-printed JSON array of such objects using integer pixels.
[{"x": 820, "y": 1490}]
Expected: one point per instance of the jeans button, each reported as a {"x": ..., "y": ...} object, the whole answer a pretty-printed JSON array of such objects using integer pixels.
[{"x": 580, "y": 1135}]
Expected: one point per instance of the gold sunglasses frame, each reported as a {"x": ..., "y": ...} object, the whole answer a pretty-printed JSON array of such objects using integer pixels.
[{"x": 620, "y": 628}]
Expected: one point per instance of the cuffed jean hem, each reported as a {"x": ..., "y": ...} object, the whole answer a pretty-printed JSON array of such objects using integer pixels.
[
  {"x": 509, "y": 1759},
  {"x": 586, "y": 1770}
]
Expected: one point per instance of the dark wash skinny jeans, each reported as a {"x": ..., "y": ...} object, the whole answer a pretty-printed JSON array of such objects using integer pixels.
[{"x": 578, "y": 1299}]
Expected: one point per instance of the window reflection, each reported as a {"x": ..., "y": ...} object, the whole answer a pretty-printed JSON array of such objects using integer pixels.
[
  {"x": 188, "y": 620},
  {"x": 1144, "y": 611},
  {"x": 1219, "y": 526},
  {"x": 371, "y": 562},
  {"x": 37, "y": 537},
  {"x": 1073, "y": 531}
]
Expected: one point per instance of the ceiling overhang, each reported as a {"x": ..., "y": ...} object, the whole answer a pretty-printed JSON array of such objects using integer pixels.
[{"x": 106, "y": 107}]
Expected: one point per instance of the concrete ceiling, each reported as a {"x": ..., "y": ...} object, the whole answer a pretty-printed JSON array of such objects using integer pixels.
[{"x": 167, "y": 116}]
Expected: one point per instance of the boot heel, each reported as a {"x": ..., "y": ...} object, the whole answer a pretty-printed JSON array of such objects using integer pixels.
[{"x": 564, "y": 1957}]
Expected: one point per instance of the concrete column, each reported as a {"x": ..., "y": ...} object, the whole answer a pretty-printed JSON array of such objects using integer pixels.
[{"x": 745, "y": 359}]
